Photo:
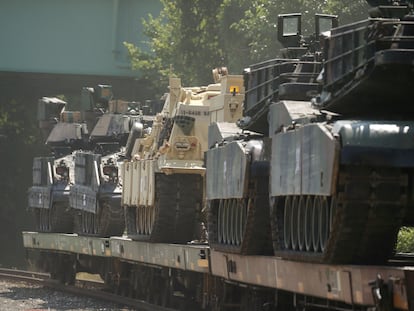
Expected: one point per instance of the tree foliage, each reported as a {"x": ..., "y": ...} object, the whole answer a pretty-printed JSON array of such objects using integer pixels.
[
  {"x": 405, "y": 242},
  {"x": 189, "y": 38}
]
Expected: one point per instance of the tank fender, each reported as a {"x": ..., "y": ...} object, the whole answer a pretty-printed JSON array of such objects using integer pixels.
[
  {"x": 227, "y": 173},
  {"x": 304, "y": 161}
]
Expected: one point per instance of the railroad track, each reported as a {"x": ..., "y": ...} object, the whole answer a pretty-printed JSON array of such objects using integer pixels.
[{"x": 84, "y": 288}]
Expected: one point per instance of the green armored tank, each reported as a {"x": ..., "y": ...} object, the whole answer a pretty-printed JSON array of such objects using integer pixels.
[{"x": 336, "y": 153}]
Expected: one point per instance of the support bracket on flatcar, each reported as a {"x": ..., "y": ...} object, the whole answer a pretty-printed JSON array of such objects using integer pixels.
[{"x": 382, "y": 293}]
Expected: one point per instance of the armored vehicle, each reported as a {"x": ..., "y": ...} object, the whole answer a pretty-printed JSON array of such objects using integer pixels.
[
  {"x": 95, "y": 196},
  {"x": 64, "y": 132},
  {"x": 163, "y": 186},
  {"x": 238, "y": 161},
  {"x": 339, "y": 163}
]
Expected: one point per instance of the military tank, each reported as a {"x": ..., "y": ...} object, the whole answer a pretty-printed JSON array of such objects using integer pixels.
[
  {"x": 64, "y": 131},
  {"x": 238, "y": 161},
  {"x": 163, "y": 186},
  {"x": 95, "y": 196},
  {"x": 339, "y": 164}
]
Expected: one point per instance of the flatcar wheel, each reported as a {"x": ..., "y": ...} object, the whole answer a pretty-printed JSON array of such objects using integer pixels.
[
  {"x": 308, "y": 223},
  {"x": 323, "y": 222},
  {"x": 301, "y": 222},
  {"x": 294, "y": 222},
  {"x": 287, "y": 222},
  {"x": 315, "y": 223}
]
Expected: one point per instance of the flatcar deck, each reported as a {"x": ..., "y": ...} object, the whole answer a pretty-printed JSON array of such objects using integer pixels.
[{"x": 350, "y": 284}]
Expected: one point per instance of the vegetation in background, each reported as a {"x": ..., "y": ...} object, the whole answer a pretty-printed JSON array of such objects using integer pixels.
[
  {"x": 405, "y": 242},
  {"x": 190, "y": 38},
  {"x": 19, "y": 143}
]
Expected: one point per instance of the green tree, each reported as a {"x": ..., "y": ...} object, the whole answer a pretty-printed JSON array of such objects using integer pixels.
[
  {"x": 183, "y": 40},
  {"x": 405, "y": 242},
  {"x": 20, "y": 140},
  {"x": 259, "y": 24},
  {"x": 189, "y": 38}
]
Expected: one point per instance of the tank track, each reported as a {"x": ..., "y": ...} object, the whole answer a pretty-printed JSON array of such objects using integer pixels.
[
  {"x": 178, "y": 200},
  {"x": 369, "y": 209},
  {"x": 56, "y": 219},
  {"x": 256, "y": 235},
  {"x": 109, "y": 221}
]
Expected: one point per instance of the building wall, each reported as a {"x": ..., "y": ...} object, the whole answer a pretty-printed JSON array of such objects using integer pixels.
[{"x": 81, "y": 37}]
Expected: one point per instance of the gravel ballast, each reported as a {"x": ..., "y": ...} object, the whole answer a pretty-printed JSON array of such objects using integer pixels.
[{"x": 22, "y": 296}]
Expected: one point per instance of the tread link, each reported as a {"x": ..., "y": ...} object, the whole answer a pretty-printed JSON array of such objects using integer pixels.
[
  {"x": 256, "y": 236},
  {"x": 108, "y": 221},
  {"x": 178, "y": 200}
]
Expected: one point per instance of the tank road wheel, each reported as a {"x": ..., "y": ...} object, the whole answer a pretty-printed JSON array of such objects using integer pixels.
[
  {"x": 315, "y": 224},
  {"x": 324, "y": 227},
  {"x": 287, "y": 222},
  {"x": 301, "y": 222},
  {"x": 308, "y": 222},
  {"x": 242, "y": 210},
  {"x": 294, "y": 222},
  {"x": 130, "y": 223},
  {"x": 140, "y": 220},
  {"x": 227, "y": 220},
  {"x": 109, "y": 219},
  {"x": 61, "y": 219},
  {"x": 54, "y": 219},
  {"x": 220, "y": 221},
  {"x": 42, "y": 219},
  {"x": 150, "y": 218},
  {"x": 357, "y": 225},
  {"x": 173, "y": 218},
  {"x": 241, "y": 225}
]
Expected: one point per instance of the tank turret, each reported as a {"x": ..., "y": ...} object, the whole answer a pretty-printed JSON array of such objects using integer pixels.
[{"x": 366, "y": 57}]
